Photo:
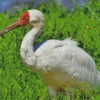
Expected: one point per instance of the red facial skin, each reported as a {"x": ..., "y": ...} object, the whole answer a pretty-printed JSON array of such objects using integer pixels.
[{"x": 24, "y": 19}]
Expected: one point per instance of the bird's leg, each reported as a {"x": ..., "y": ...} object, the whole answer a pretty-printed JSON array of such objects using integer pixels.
[{"x": 52, "y": 91}]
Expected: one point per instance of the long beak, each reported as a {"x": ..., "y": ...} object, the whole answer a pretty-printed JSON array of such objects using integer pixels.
[{"x": 12, "y": 26}]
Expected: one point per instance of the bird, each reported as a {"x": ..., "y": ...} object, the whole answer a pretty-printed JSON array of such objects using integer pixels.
[{"x": 59, "y": 62}]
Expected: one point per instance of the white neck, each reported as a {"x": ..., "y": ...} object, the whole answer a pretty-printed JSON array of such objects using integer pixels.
[{"x": 26, "y": 51}]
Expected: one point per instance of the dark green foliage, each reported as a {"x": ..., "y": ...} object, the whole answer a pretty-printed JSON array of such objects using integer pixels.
[{"x": 17, "y": 82}]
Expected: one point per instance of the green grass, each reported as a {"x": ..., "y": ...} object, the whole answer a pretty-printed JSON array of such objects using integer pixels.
[{"x": 18, "y": 82}]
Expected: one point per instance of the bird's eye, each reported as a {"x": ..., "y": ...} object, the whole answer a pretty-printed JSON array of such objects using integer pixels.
[{"x": 35, "y": 21}]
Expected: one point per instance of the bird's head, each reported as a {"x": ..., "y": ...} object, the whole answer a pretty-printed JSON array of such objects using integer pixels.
[{"x": 33, "y": 17}]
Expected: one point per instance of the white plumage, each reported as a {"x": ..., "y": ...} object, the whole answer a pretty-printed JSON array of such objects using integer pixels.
[{"x": 62, "y": 59}]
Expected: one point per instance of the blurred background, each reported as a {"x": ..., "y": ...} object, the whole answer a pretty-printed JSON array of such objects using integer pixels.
[{"x": 6, "y": 5}]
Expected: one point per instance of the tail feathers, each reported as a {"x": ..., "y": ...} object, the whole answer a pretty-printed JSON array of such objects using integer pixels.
[{"x": 70, "y": 42}]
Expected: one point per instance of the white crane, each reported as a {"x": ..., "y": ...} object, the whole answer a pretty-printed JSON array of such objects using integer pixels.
[{"x": 57, "y": 61}]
